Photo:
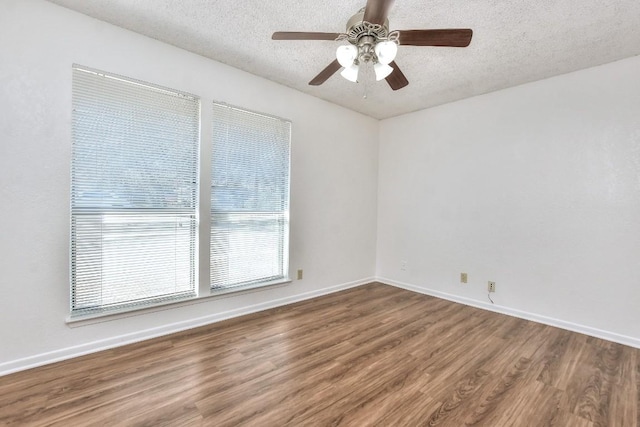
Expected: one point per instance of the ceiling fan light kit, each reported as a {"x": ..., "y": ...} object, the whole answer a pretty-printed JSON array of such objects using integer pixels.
[
  {"x": 371, "y": 42},
  {"x": 382, "y": 70},
  {"x": 346, "y": 55},
  {"x": 386, "y": 51},
  {"x": 368, "y": 43},
  {"x": 351, "y": 73}
]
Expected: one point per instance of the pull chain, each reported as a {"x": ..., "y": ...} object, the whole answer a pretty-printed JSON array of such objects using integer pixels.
[{"x": 365, "y": 83}]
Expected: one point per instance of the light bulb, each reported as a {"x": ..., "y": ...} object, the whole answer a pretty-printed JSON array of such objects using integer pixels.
[
  {"x": 346, "y": 54},
  {"x": 382, "y": 70},
  {"x": 386, "y": 51},
  {"x": 350, "y": 73}
]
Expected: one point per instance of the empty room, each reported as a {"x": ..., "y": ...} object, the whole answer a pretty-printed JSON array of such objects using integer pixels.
[{"x": 354, "y": 213}]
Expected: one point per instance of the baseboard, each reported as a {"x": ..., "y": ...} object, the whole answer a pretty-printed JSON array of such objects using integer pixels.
[
  {"x": 587, "y": 330},
  {"x": 95, "y": 346}
]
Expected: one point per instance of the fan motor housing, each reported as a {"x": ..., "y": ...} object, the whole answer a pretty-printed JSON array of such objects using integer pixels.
[{"x": 358, "y": 27}]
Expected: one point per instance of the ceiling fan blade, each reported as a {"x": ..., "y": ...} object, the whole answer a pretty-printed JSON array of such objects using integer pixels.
[
  {"x": 376, "y": 11},
  {"x": 455, "y": 37},
  {"x": 326, "y": 73},
  {"x": 295, "y": 35},
  {"x": 396, "y": 79}
]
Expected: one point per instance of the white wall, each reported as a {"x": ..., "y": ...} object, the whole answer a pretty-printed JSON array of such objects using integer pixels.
[
  {"x": 536, "y": 187},
  {"x": 333, "y": 176}
]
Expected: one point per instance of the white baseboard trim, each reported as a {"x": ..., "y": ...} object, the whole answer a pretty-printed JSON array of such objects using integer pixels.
[
  {"x": 586, "y": 330},
  {"x": 117, "y": 341}
]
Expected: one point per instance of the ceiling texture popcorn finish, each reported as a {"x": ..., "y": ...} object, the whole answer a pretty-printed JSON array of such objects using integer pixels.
[{"x": 514, "y": 42}]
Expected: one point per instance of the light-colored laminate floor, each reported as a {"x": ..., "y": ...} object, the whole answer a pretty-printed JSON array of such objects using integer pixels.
[{"x": 369, "y": 356}]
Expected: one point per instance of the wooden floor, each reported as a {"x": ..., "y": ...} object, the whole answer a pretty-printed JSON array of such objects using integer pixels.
[{"x": 370, "y": 356}]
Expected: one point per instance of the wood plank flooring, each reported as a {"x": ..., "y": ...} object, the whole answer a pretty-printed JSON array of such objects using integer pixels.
[{"x": 369, "y": 356}]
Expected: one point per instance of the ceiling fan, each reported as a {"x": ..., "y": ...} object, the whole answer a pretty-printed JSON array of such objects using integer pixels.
[{"x": 371, "y": 42}]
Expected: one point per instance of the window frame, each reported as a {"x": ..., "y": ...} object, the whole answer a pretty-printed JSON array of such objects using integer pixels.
[
  {"x": 124, "y": 205},
  {"x": 284, "y": 253}
]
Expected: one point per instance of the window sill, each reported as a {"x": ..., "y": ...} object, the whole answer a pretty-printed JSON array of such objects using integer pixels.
[
  {"x": 92, "y": 319},
  {"x": 237, "y": 289}
]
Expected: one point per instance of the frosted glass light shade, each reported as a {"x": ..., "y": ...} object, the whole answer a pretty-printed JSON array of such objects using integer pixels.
[
  {"x": 382, "y": 70},
  {"x": 346, "y": 54},
  {"x": 386, "y": 51},
  {"x": 351, "y": 73}
]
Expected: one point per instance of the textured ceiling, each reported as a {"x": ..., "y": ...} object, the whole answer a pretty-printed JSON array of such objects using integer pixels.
[{"x": 514, "y": 42}]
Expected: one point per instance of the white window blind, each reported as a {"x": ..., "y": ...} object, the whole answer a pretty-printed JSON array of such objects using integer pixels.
[
  {"x": 134, "y": 193},
  {"x": 249, "y": 198}
]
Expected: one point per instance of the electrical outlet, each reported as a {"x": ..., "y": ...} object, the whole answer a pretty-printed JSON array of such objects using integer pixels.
[
  {"x": 403, "y": 265},
  {"x": 463, "y": 277},
  {"x": 299, "y": 274},
  {"x": 491, "y": 286}
]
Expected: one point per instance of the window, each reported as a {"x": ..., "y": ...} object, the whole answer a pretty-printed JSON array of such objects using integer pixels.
[
  {"x": 134, "y": 186},
  {"x": 249, "y": 198},
  {"x": 134, "y": 194}
]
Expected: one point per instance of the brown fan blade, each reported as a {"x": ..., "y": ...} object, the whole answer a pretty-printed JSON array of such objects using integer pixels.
[
  {"x": 396, "y": 79},
  {"x": 455, "y": 37},
  {"x": 376, "y": 11},
  {"x": 294, "y": 35},
  {"x": 326, "y": 73}
]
